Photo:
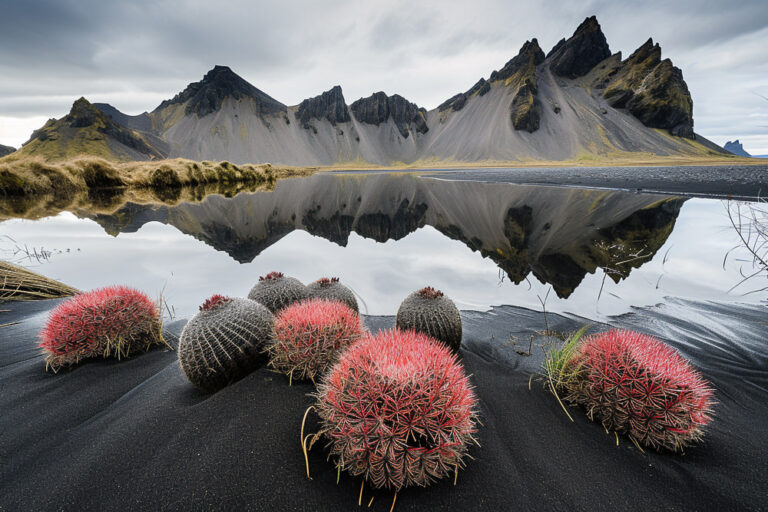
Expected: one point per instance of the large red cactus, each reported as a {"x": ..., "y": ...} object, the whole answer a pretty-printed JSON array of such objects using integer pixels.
[
  {"x": 110, "y": 321},
  {"x": 397, "y": 409},
  {"x": 310, "y": 335},
  {"x": 635, "y": 384}
]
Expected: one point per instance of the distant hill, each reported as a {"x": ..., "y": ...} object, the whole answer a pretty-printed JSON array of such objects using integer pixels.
[
  {"x": 736, "y": 148},
  {"x": 6, "y": 150},
  {"x": 576, "y": 101}
]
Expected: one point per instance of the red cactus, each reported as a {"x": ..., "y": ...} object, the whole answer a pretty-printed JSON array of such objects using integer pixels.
[
  {"x": 309, "y": 336},
  {"x": 397, "y": 409},
  {"x": 635, "y": 384},
  {"x": 430, "y": 293},
  {"x": 213, "y": 302},
  {"x": 106, "y": 322},
  {"x": 271, "y": 276}
]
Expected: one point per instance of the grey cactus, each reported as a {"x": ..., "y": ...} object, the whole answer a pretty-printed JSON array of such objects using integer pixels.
[
  {"x": 430, "y": 312},
  {"x": 276, "y": 291},
  {"x": 225, "y": 341},
  {"x": 331, "y": 289}
]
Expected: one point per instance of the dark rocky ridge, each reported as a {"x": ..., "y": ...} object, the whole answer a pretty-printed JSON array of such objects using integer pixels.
[
  {"x": 736, "y": 148},
  {"x": 207, "y": 95},
  {"x": 651, "y": 89},
  {"x": 530, "y": 55},
  {"x": 330, "y": 105},
  {"x": 458, "y": 101},
  {"x": 581, "y": 52},
  {"x": 378, "y": 107},
  {"x": 6, "y": 150},
  {"x": 525, "y": 111},
  {"x": 141, "y": 122}
]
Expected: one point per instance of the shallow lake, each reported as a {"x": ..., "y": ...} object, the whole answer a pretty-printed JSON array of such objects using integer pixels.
[{"x": 587, "y": 252}]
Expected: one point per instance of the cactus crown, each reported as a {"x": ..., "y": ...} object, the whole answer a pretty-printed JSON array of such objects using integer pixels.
[
  {"x": 271, "y": 276},
  {"x": 213, "y": 302},
  {"x": 327, "y": 281},
  {"x": 430, "y": 293}
]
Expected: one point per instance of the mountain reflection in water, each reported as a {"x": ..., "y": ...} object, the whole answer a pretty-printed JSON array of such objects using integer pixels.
[{"x": 558, "y": 235}]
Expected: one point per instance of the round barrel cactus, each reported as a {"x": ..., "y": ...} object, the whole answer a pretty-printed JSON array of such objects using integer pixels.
[
  {"x": 224, "y": 341},
  {"x": 331, "y": 289},
  {"x": 107, "y": 322},
  {"x": 309, "y": 336},
  {"x": 277, "y": 291},
  {"x": 429, "y": 311},
  {"x": 635, "y": 384},
  {"x": 398, "y": 410}
]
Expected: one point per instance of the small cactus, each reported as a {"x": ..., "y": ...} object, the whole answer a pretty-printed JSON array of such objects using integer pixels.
[
  {"x": 398, "y": 410},
  {"x": 107, "y": 322},
  {"x": 635, "y": 384},
  {"x": 331, "y": 289},
  {"x": 224, "y": 341},
  {"x": 276, "y": 291},
  {"x": 429, "y": 311},
  {"x": 310, "y": 335}
]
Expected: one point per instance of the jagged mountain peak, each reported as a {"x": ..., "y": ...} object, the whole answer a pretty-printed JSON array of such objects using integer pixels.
[
  {"x": 378, "y": 108},
  {"x": 329, "y": 105},
  {"x": 577, "y": 55},
  {"x": 736, "y": 148},
  {"x": 207, "y": 95}
]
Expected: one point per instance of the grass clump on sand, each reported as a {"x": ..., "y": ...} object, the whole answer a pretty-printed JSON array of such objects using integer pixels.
[
  {"x": 19, "y": 284},
  {"x": 22, "y": 175},
  {"x": 632, "y": 384}
]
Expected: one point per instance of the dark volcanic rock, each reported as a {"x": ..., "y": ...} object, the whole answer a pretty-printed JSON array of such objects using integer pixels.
[
  {"x": 529, "y": 55},
  {"x": 525, "y": 110},
  {"x": 579, "y": 54},
  {"x": 207, "y": 95},
  {"x": 458, "y": 101},
  {"x": 379, "y": 107},
  {"x": 734, "y": 147},
  {"x": 142, "y": 122},
  {"x": 330, "y": 105},
  {"x": 653, "y": 90},
  {"x": 6, "y": 150}
]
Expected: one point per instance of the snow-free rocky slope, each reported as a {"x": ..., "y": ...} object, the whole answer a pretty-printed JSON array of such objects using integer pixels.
[{"x": 576, "y": 101}]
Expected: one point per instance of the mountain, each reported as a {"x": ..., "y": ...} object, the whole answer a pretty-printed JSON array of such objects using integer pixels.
[
  {"x": 6, "y": 150},
  {"x": 88, "y": 130},
  {"x": 576, "y": 101},
  {"x": 736, "y": 148},
  {"x": 557, "y": 234}
]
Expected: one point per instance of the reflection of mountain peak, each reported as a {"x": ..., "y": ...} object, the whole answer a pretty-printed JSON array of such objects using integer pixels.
[{"x": 558, "y": 234}]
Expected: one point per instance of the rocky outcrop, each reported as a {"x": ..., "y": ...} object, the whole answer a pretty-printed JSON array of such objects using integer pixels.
[
  {"x": 734, "y": 147},
  {"x": 458, "y": 101},
  {"x": 6, "y": 150},
  {"x": 206, "y": 96},
  {"x": 579, "y": 54},
  {"x": 524, "y": 63},
  {"x": 379, "y": 107},
  {"x": 520, "y": 71},
  {"x": 651, "y": 89},
  {"x": 330, "y": 105}
]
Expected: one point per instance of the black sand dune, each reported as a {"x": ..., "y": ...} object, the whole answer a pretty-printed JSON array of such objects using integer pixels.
[{"x": 136, "y": 435}]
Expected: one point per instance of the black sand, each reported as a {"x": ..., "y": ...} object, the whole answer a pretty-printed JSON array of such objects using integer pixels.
[
  {"x": 136, "y": 435},
  {"x": 738, "y": 181}
]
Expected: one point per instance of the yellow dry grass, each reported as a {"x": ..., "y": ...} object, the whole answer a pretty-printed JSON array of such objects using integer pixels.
[{"x": 17, "y": 283}]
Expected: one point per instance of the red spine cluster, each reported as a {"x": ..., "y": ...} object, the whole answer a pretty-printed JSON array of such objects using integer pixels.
[
  {"x": 326, "y": 281},
  {"x": 105, "y": 322},
  {"x": 271, "y": 276},
  {"x": 635, "y": 384},
  {"x": 398, "y": 409},
  {"x": 430, "y": 293},
  {"x": 309, "y": 335},
  {"x": 213, "y": 302}
]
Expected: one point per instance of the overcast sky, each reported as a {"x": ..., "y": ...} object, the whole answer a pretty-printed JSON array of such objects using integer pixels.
[{"x": 136, "y": 54}]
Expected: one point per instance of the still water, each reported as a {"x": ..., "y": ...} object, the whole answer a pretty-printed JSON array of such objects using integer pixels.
[{"x": 592, "y": 253}]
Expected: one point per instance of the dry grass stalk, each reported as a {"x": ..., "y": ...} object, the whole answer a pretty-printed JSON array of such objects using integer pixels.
[{"x": 17, "y": 284}]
